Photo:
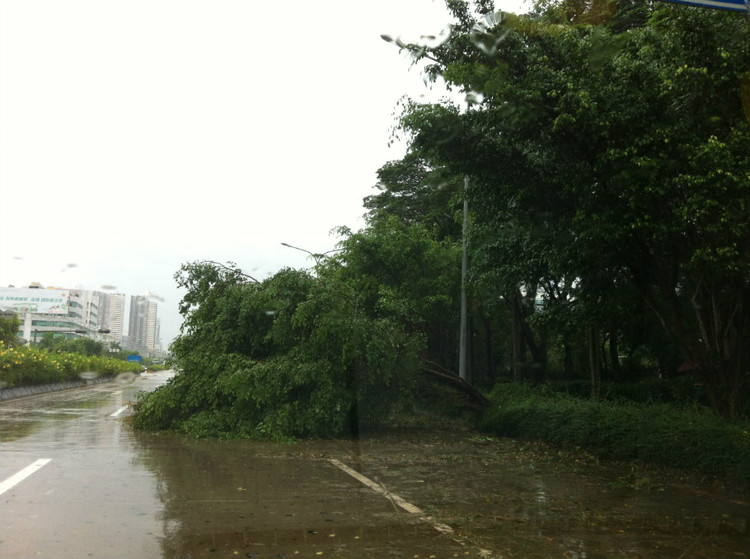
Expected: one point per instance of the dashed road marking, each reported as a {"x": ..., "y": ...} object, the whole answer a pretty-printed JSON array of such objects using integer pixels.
[
  {"x": 17, "y": 478},
  {"x": 118, "y": 412},
  {"x": 378, "y": 488}
]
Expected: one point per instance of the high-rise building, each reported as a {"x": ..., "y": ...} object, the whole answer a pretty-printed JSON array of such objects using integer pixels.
[
  {"x": 151, "y": 329},
  {"x": 142, "y": 330},
  {"x": 112, "y": 316}
]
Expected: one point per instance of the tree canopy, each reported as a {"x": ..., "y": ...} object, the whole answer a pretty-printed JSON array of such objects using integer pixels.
[
  {"x": 606, "y": 159},
  {"x": 9, "y": 330},
  {"x": 606, "y": 150},
  {"x": 301, "y": 353}
]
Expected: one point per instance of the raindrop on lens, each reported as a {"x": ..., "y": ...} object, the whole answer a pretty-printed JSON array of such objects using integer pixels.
[
  {"x": 125, "y": 378},
  {"x": 89, "y": 375},
  {"x": 474, "y": 98}
]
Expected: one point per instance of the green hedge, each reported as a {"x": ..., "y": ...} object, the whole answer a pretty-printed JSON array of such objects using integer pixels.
[
  {"x": 24, "y": 366},
  {"x": 683, "y": 436}
]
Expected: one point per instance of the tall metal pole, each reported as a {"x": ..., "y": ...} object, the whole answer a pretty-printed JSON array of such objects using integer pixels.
[{"x": 464, "y": 267}]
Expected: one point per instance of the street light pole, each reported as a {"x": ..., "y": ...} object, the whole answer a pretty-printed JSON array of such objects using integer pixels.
[{"x": 464, "y": 268}]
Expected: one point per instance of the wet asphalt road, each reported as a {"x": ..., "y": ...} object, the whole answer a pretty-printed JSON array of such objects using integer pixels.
[{"x": 95, "y": 488}]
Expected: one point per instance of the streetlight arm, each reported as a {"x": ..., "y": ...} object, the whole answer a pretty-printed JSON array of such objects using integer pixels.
[
  {"x": 235, "y": 270},
  {"x": 298, "y": 248},
  {"x": 316, "y": 255}
]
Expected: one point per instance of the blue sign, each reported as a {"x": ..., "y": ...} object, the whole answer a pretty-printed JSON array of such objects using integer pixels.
[
  {"x": 137, "y": 358},
  {"x": 734, "y": 5}
]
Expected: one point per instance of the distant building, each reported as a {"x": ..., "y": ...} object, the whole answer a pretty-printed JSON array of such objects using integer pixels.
[
  {"x": 112, "y": 315},
  {"x": 79, "y": 312},
  {"x": 63, "y": 312},
  {"x": 83, "y": 307},
  {"x": 142, "y": 325}
]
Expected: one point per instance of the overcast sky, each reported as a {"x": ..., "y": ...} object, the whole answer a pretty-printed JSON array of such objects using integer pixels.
[{"x": 137, "y": 135}]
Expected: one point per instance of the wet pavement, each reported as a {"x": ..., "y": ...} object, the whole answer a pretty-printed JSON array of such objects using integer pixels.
[
  {"x": 526, "y": 500},
  {"x": 239, "y": 498},
  {"x": 415, "y": 493}
]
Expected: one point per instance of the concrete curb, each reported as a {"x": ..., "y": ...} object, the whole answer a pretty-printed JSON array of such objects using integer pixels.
[{"x": 34, "y": 389}]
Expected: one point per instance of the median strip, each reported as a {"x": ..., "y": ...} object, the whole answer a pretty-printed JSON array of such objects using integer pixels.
[{"x": 17, "y": 478}]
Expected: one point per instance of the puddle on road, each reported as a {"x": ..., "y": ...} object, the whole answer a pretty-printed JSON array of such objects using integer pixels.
[{"x": 504, "y": 499}]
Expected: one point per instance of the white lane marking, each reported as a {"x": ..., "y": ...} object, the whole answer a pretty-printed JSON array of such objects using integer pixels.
[
  {"x": 118, "y": 412},
  {"x": 408, "y": 507},
  {"x": 17, "y": 478}
]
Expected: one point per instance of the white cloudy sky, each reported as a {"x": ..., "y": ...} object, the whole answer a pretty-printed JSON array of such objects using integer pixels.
[{"x": 136, "y": 135}]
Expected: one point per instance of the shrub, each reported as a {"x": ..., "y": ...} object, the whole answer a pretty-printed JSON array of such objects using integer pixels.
[
  {"x": 674, "y": 435},
  {"x": 23, "y": 366}
]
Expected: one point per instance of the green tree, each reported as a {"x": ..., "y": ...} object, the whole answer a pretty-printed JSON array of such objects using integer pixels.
[
  {"x": 9, "y": 330},
  {"x": 606, "y": 158},
  {"x": 64, "y": 344},
  {"x": 294, "y": 355},
  {"x": 403, "y": 273},
  {"x": 416, "y": 194}
]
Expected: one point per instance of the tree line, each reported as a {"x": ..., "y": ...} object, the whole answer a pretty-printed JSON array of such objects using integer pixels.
[
  {"x": 606, "y": 145},
  {"x": 605, "y": 148}
]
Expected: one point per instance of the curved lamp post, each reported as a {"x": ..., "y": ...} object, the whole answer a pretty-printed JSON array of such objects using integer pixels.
[{"x": 316, "y": 255}]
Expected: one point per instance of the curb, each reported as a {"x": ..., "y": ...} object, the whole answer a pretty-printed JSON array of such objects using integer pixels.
[{"x": 34, "y": 389}]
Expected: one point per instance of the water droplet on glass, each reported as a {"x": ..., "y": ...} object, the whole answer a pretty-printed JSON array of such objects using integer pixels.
[
  {"x": 88, "y": 375},
  {"x": 474, "y": 98},
  {"x": 125, "y": 378},
  {"x": 493, "y": 19},
  {"x": 434, "y": 41}
]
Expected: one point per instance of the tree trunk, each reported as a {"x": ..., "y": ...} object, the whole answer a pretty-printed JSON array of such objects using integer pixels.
[
  {"x": 488, "y": 347},
  {"x": 568, "y": 371},
  {"x": 517, "y": 336},
  {"x": 595, "y": 362},
  {"x": 614, "y": 351},
  {"x": 707, "y": 317}
]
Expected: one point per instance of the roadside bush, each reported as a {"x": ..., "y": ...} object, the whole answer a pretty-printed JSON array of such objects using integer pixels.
[
  {"x": 650, "y": 390},
  {"x": 681, "y": 436},
  {"x": 23, "y": 366}
]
